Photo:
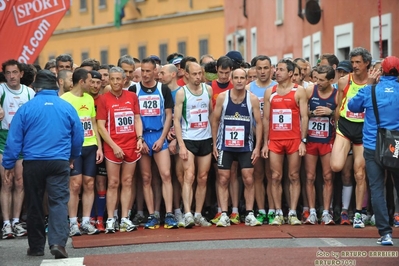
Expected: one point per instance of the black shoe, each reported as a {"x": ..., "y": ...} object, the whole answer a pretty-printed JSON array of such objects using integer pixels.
[
  {"x": 34, "y": 253},
  {"x": 59, "y": 252}
]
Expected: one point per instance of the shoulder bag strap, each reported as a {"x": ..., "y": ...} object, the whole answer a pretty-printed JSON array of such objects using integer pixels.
[{"x": 375, "y": 107}]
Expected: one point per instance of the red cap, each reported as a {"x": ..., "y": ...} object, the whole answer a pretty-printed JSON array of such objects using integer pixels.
[{"x": 390, "y": 63}]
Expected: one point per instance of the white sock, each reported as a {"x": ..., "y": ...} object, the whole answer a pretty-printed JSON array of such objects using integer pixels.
[
  {"x": 116, "y": 214},
  {"x": 312, "y": 210},
  {"x": 85, "y": 220},
  {"x": 279, "y": 212},
  {"x": 346, "y": 196},
  {"x": 177, "y": 211},
  {"x": 292, "y": 213},
  {"x": 325, "y": 212},
  {"x": 15, "y": 221},
  {"x": 141, "y": 213},
  {"x": 6, "y": 222},
  {"x": 156, "y": 213},
  {"x": 73, "y": 220},
  {"x": 271, "y": 211},
  {"x": 262, "y": 211},
  {"x": 219, "y": 209},
  {"x": 197, "y": 214},
  {"x": 234, "y": 210}
]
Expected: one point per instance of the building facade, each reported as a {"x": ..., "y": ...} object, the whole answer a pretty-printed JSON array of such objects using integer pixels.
[
  {"x": 275, "y": 28},
  {"x": 150, "y": 27}
]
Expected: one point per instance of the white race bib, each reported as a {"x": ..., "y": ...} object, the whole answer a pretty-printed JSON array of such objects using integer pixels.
[
  {"x": 124, "y": 122},
  {"x": 150, "y": 105},
  {"x": 87, "y": 126},
  {"x": 234, "y": 136},
  {"x": 198, "y": 118},
  {"x": 319, "y": 127},
  {"x": 282, "y": 119}
]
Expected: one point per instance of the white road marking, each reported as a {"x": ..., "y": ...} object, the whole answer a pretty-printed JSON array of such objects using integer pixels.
[
  {"x": 333, "y": 242},
  {"x": 63, "y": 262}
]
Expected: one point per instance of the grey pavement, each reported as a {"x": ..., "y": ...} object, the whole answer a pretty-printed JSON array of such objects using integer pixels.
[{"x": 13, "y": 251}]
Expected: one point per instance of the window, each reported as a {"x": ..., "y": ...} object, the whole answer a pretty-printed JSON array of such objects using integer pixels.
[
  {"x": 279, "y": 12},
  {"x": 254, "y": 42},
  {"x": 50, "y": 57},
  {"x": 163, "y": 52},
  {"x": 386, "y": 36},
  {"x": 229, "y": 43},
  {"x": 84, "y": 55},
  {"x": 83, "y": 5},
  {"x": 142, "y": 52},
  {"x": 316, "y": 38},
  {"x": 203, "y": 47},
  {"x": 274, "y": 60},
  {"x": 181, "y": 48},
  {"x": 343, "y": 40},
  {"x": 102, "y": 4},
  {"x": 123, "y": 51},
  {"x": 241, "y": 42},
  {"x": 104, "y": 57},
  {"x": 306, "y": 48}
]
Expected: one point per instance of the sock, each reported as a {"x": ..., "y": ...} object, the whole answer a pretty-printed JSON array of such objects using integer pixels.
[
  {"x": 234, "y": 210},
  {"x": 325, "y": 212},
  {"x": 141, "y": 213},
  {"x": 292, "y": 213},
  {"x": 279, "y": 212},
  {"x": 305, "y": 209},
  {"x": 177, "y": 211},
  {"x": 111, "y": 219},
  {"x": 312, "y": 210},
  {"x": 247, "y": 212},
  {"x": 6, "y": 222},
  {"x": 197, "y": 214},
  {"x": 358, "y": 211},
  {"x": 85, "y": 220},
  {"x": 346, "y": 196},
  {"x": 116, "y": 214},
  {"x": 188, "y": 214},
  {"x": 219, "y": 209},
  {"x": 262, "y": 211},
  {"x": 101, "y": 202},
  {"x": 73, "y": 220},
  {"x": 15, "y": 221},
  {"x": 272, "y": 211},
  {"x": 156, "y": 214},
  {"x": 129, "y": 213}
]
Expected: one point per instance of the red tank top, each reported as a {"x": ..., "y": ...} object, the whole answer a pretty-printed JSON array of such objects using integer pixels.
[
  {"x": 284, "y": 116},
  {"x": 217, "y": 90}
]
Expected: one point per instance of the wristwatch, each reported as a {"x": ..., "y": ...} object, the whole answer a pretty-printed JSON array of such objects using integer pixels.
[
  {"x": 312, "y": 113},
  {"x": 304, "y": 140}
]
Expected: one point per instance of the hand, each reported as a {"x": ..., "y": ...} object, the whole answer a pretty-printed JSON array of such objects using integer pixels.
[
  {"x": 172, "y": 146},
  {"x": 183, "y": 153},
  {"x": 139, "y": 146},
  {"x": 215, "y": 152},
  {"x": 302, "y": 149},
  {"x": 1, "y": 113},
  {"x": 322, "y": 111},
  {"x": 255, "y": 156},
  {"x": 373, "y": 76},
  {"x": 145, "y": 149},
  {"x": 99, "y": 156},
  {"x": 71, "y": 163},
  {"x": 118, "y": 152},
  {"x": 158, "y": 145},
  {"x": 8, "y": 175},
  {"x": 171, "y": 135},
  {"x": 265, "y": 151}
]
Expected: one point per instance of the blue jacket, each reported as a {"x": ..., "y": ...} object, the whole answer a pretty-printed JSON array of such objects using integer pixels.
[
  {"x": 387, "y": 94},
  {"x": 45, "y": 128}
]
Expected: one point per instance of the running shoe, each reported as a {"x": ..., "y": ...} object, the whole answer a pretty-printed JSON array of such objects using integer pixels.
[
  {"x": 235, "y": 218},
  {"x": 170, "y": 221},
  {"x": 385, "y": 240},
  {"x": 100, "y": 225},
  {"x": 138, "y": 219},
  {"x": 188, "y": 220},
  {"x": 345, "y": 218},
  {"x": 201, "y": 221},
  {"x": 153, "y": 223},
  {"x": 74, "y": 230},
  {"x": 7, "y": 232},
  {"x": 250, "y": 220},
  {"x": 367, "y": 219},
  {"x": 270, "y": 217},
  {"x": 396, "y": 220},
  {"x": 216, "y": 218},
  {"x": 19, "y": 230},
  {"x": 358, "y": 221},
  {"x": 278, "y": 220},
  {"x": 180, "y": 220},
  {"x": 89, "y": 229},
  {"x": 110, "y": 226},
  {"x": 127, "y": 225},
  {"x": 293, "y": 220},
  {"x": 261, "y": 217},
  {"x": 305, "y": 216},
  {"x": 372, "y": 220},
  {"x": 224, "y": 220},
  {"x": 93, "y": 221},
  {"x": 117, "y": 227},
  {"x": 312, "y": 218},
  {"x": 327, "y": 219}
]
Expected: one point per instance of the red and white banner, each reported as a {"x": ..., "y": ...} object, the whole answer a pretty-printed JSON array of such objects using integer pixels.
[{"x": 26, "y": 26}]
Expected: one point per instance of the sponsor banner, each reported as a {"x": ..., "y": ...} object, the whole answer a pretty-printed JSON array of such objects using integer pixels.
[{"x": 26, "y": 26}]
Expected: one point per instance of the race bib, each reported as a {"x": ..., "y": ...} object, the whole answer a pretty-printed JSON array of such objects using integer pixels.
[
  {"x": 124, "y": 122},
  {"x": 350, "y": 114},
  {"x": 234, "y": 136},
  {"x": 198, "y": 118},
  {"x": 87, "y": 126},
  {"x": 282, "y": 119},
  {"x": 319, "y": 127},
  {"x": 150, "y": 105}
]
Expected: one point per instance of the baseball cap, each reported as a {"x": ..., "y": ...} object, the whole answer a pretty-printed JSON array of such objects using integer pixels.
[
  {"x": 176, "y": 60},
  {"x": 155, "y": 58},
  {"x": 95, "y": 74},
  {"x": 45, "y": 79},
  {"x": 390, "y": 65},
  {"x": 345, "y": 65},
  {"x": 235, "y": 56}
]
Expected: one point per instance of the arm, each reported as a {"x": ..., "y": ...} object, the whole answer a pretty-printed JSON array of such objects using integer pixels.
[
  {"x": 258, "y": 128},
  {"x": 342, "y": 82},
  {"x": 14, "y": 141},
  {"x": 99, "y": 153},
  {"x": 266, "y": 122},
  {"x": 303, "y": 109},
  {"x": 176, "y": 122},
  {"x": 356, "y": 104},
  {"x": 215, "y": 120},
  {"x": 77, "y": 135},
  {"x": 210, "y": 91},
  {"x": 138, "y": 127}
]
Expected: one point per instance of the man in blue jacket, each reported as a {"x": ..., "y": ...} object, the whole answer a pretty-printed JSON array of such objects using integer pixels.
[
  {"x": 387, "y": 96},
  {"x": 48, "y": 133}
]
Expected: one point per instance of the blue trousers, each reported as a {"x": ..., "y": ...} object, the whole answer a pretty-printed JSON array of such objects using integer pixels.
[
  {"x": 52, "y": 175},
  {"x": 376, "y": 177}
]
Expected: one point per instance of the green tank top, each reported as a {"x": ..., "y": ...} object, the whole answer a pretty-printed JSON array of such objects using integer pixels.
[{"x": 350, "y": 91}]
